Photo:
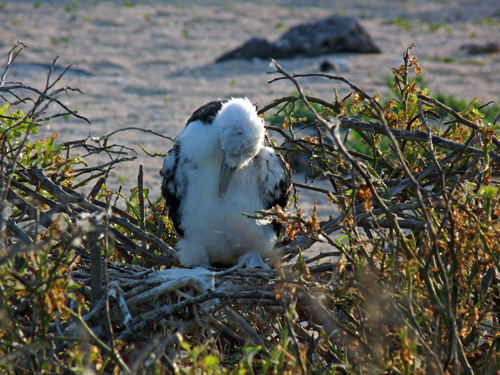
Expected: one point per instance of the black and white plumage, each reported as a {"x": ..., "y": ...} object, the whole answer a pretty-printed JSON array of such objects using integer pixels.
[{"x": 218, "y": 169}]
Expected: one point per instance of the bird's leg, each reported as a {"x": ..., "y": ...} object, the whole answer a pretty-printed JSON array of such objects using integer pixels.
[{"x": 251, "y": 259}]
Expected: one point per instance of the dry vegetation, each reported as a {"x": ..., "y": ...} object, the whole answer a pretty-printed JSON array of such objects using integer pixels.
[{"x": 87, "y": 286}]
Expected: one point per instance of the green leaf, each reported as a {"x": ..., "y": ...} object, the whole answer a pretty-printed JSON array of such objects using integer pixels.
[
  {"x": 57, "y": 148},
  {"x": 252, "y": 350},
  {"x": 4, "y": 109},
  {"x": 184, "y": 345},
  {"x": 340, "y": 239},
  {"x": 210, "y": 361},
  {"x": 49, "y": 144},
  {"x": 488, "y": 192},
  {"x": 38, "y": 145}
]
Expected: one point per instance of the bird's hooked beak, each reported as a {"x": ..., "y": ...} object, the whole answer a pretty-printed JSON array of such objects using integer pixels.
[{"x": 226, "y": 172}]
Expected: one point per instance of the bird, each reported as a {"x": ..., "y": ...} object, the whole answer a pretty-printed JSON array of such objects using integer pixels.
[{"x": 218, "y": 170}]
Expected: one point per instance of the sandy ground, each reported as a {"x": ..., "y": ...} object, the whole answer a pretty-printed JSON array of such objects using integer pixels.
[{"x": 150, "y": 64}]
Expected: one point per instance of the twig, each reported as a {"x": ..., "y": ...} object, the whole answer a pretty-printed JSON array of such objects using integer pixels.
[
  {"x": 13, "y": 53},
  {"x": 290, "y": 99},
  {"x": 31, "y": 351},
  {"x": 115, "y": 356},
  {"x": 418, "y": 136},
  {"x": 81, "y": 201},
  {"x": 96, "y": 267},
  {"x": 80, "y": 171},
  {"x": 457, "y": 116},
  {"x": 109, "y": 135},
  {"x": 242, "y": 323},
  {"x": 140, "y": 192},
  {"x": 18, "y": 232},
  {"x": 298, "y": 351},
  {"x": 323, "y": 255},
  {"x": 140, "y": 322}
]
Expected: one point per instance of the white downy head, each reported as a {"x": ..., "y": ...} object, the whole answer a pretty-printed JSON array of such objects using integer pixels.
[{"x": 241, "y": 135}]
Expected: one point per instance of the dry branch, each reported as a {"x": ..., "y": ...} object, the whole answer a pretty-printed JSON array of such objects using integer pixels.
[{"x": 416, "y": 136}]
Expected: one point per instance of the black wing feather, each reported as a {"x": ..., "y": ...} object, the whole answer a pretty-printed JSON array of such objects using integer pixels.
[
  {"x": 206, "y": 113},
  {"x": 283, "y": 187},
  {"x": 280, "y": 192},
  {"x": 170, "y": 190}
]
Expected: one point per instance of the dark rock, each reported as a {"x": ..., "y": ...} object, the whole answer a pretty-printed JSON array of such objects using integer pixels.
[
  {"x": 476, "y": 49},
  {"x": 328, "y": 66},
  {"x": 253, "y": 48},
  {"x": 329, "y": 35}
]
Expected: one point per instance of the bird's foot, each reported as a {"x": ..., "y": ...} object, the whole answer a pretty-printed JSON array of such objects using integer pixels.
[{"x": 251, "y": 259}]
